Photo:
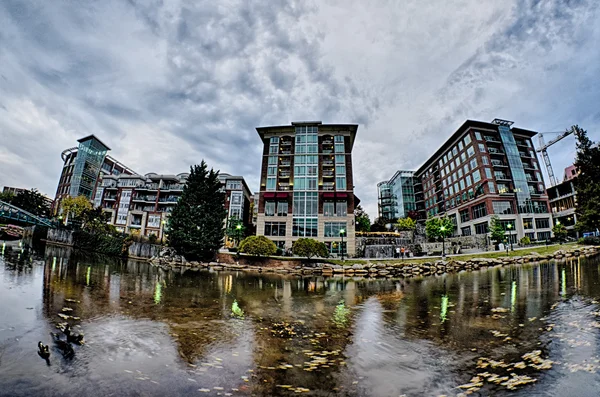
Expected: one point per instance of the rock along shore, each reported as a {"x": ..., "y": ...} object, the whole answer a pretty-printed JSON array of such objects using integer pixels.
[{"x": 169, "y": 260}]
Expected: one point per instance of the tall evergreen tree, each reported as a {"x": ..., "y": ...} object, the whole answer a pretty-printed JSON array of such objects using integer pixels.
[
  {"x": 196, "y": 228},
  {"x": 587, "y": 183}
]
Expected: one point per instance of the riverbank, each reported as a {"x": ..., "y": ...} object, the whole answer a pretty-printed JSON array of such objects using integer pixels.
[{"x": 379, "y": 269}]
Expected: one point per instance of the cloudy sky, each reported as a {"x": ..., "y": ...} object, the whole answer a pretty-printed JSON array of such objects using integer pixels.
[{"x": 168, "y": 83}]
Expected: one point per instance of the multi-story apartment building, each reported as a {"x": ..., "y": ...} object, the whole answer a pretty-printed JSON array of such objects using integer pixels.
[
  {"x": 144, "y": 202},
  {"x": 563, "y": 198},
  {"x": 133, "y": 201},
  {"x": 397, "y": 196},
  {"x": 83, "y": 169},
  {"x": 16, "y": 190},
  {"x": 307, "y": 188},
  {"x": 482, "y": 170}
]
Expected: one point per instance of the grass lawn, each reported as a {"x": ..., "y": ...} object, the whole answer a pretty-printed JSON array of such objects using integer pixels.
[{"x": 542, "y": 250}]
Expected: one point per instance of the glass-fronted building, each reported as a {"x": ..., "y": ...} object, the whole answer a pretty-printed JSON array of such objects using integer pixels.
[{"x": 397, "y": 196}]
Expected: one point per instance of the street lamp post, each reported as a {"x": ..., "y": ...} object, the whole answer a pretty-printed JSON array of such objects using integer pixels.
[
  {"x": 342, "y": 231},
  {"x": 443, "y": 230},
  {"x": 509, "y": 226},
  {"x": 238, "y": 229}
]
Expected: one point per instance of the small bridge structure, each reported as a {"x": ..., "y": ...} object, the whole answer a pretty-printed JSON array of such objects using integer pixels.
[{"x": 10, "y": 212}]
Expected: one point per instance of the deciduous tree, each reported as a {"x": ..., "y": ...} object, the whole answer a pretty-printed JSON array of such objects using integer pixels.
[
  {"x": 439, "y": 227},
  {"x": 497, "y": 231},
  {"x": 361, "y": 220},
  {"x": 405, "y": 224}
]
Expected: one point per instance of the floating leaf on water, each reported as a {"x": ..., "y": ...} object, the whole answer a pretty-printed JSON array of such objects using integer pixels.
[{"x": 204, "y": 390}]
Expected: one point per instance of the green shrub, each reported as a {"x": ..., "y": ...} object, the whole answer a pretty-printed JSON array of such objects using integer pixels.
[
  {"x": 258, "y": 246},
  {"x": 152, "y": 238},
  {"x": 525, "y": 241},
  {"x": 102, "y": 242},
  {"x": 592, "y": 240},
  {"x": 309, "y": 247}
]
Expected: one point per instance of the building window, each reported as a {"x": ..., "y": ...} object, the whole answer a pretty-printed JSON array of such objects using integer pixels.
[
  {"x": 470, "y": 151},
  {"x": 544, "y": 236},
  {"x": 485, "y": 160},
  {"x": 339, "y": 144},
  {"x": 305, "y": 227},
  {"x": 328, "y": 208},
  {"x": 340, "y": 159},
  {"x": 235, "y": 212},
  {"x": 528, "y": 223},
  {"x": 462, "y": 184},
  {"x": 479, "y": 210},
  {"x": 332, "y": 229},
  {"x": 341, "y": 208},
  {"x": 154, "y": 221},
  {"x": 467, "y": 140},
  {"x": 481, "y": 148},
  {"x": 481, "y": 228},
  {"x": 460, "y": 145},
  {"x": 477, "y": 135},
  {"x": 271, "y": 171},
  {"x": 463, "y": 157},
  {"x": 272, "y": 160},
  {"x": 491, "y": 187},
  {"x": 488, "y": 173},
  {"x": 305, "y": 204},
  {"x": 236, "y": 198},
  {"x": 274, "y": 228},
  {"x": 502, "y": 188},
  {"x": 502, "y": 207},
  {"x": 282, "y": 208},
  {"x": 464, "y": 216},
  {"x": 465, "y": 231},
  {"x": 540, "y": 207},
  {"x": 274, "y": 140},
  {"x": 476, "y": 176},
  {"x": 271, "y": 183},
  {"x": 273, "y": 149},
  {"x": 531, "y": 236},
  {"x": 543, "y": 223},
  {"x": 270, "y": 208},
  {"x": 340, "y": 183},
  {"x": 340, "y": 170}
]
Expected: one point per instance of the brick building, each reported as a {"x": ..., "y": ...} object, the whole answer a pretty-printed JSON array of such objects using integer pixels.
[{"x": 307, "y": 188}]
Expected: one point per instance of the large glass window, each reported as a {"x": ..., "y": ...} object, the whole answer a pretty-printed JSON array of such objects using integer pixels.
[
  {"x": 481, "y": 228},
  {"x": 467, "y": 140},
  {"x": 491, "y": 187},
  {"x": 271, "y": 171},
  {"x": 470, "y": 151},
  {"x": 274, "y": 229},
  {"x": 479, "y": 210},
  {"x": 476, "y": 176},
  {"x": 465, "y": 231},
  {"x": 502, "y": 207},
  {"x": 272, "y": 160},
  {"x": 464, "y": 216},
  {"x": 282, "y": 208},
  {"x": 482, "y": 148},
  {"x": 340, "y": 183},
  {"x": 305, "y": 204},
  {"x": 332, "y": 229},
  {"x": 340, "y": 159},
  {"x": 543, "y": 223},
  {"x": 271, "y": 183},
  {"x": 304, "y": 227},
  {"x": 488, "y": 173},
  {"x": 341, "y": 208},
  {"x": 270, "y": 208},
  {"x": 527, "y": 223},
  {"x": 328, "y": 208}
]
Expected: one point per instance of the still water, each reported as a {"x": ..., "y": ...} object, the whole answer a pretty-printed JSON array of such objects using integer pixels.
[{"x": 155, "y": 333}]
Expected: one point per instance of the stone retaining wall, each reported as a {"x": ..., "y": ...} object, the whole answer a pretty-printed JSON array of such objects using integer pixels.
[{"x": 406, "y": 269}]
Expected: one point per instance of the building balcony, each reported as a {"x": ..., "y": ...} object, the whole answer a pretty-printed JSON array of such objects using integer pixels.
[
  {"x": 285, "y": 152},
  {"x": 327, "y": 142},
  {"x": 152, "y": 186},
  {"x": 170, "y": 200},
  {"x": 285, "y": 143},
  {"x": 328, "y": 164},
  {"x": 327, "y": 151},
  {"x": 525, "y": 154},
  {"x": 496, "y": 152},
  {"x": 285, "y": 163},
  {"x": 177, "y": 187},
  {"x": 328, "y": 174},
  {"x": 285, "y": 174},
  {"x": 492, "y": 139},
  {"x": 498, "y": 163},
  {"x": 501, "y": 177},
  {"x": 328, "y": 186},
  {"x": 147, "y": 199},
  {"x": 110, "y": 198},
  {"x": 136, "y": 225},
  {"x": 111, "y": 187}
]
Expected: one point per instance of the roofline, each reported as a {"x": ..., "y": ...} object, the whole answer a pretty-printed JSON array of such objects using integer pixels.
[
  {"x": 352, "y": 127},
  {"x": 465, "y": 126},
  {"x": 92, "y": 136}
]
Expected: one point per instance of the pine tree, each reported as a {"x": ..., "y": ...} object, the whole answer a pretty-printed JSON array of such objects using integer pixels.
[
  {"x": 587, "y": 183},
  {"x": 196, "y": 227}
]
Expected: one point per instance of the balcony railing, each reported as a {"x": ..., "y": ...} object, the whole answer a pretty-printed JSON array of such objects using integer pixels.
[
  {"x": 495, "y": 151},
  {"x": 144, "y": 198},
  {"x": 112, "y": 198},
  {"x": 168, "y": 199},
  {"x": 285, "y": 152},
  {"x": 492, "y": 139},
  {"x": 285, "y": 163},
  {"x": 327, "y": 163},
  {"x": 284, "y": 174},
  {"x": 498, "y": 163},
  {"x": 501, "y": 177},
  {"x": 328, "y": 186},
  {"x": 328, "y": 174},
  {"x": 176, "y": 186}
]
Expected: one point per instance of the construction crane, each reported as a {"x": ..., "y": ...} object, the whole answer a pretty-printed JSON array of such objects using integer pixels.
[{"x": 544, "y": 150}]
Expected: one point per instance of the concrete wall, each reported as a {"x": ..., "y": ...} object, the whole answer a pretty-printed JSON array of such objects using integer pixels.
[
  {"x": 60, "y": 236},
  {"x": 143, "y": 250}
]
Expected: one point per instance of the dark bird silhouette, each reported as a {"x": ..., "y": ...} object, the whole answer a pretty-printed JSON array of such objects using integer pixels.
[
  {"x": 71, "y": 337},
  {"x": 43, "y": 351},
  {"x": 64, "y": 346}
]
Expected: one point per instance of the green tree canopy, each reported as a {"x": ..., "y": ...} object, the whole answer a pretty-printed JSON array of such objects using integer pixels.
[
  {"x": 309, "y": 247},
  {"x": 406, "y": 224},
  {"x": 196, "y": 228},
  {"x": 75, "y": 207},
  {"x": 560, "y": 231},
  {"x": 258, "y": 246},
  {"x": 497, "y": 231},
  {"x": 7, "y": 197},
  {"x": 31, "y": 201},
  {"x": 587, "y": 183},
  {"x": 361, "y": 219},
  {"x": 235, "y": 229},
  {"x": 439, "y": 227}
]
